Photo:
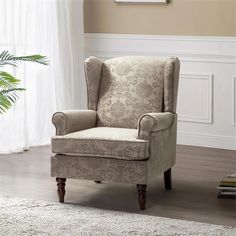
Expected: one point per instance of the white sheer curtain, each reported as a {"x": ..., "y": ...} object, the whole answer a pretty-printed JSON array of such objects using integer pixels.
[{"x": 53, "y": 28}]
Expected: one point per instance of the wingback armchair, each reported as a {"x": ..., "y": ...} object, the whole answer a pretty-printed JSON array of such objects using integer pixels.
[{"x": 128, "y": 133}]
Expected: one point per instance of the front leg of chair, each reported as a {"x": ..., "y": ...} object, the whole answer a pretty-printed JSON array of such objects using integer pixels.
[
  {"x": 141, "y": 195},
  {"x": 167, "y": 179},
  {"x": 61, "y": 182}
]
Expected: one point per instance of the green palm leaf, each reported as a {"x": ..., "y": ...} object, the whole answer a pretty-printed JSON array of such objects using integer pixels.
[
  {"x": 8, "y": 59},
  {"x": 5, "y": 103},
  {"x": 9, "y": 89},
  {"x": 8, "y": 97},
  {"x": 7, "y": 80},
  {"x": 8, "y": 83}
]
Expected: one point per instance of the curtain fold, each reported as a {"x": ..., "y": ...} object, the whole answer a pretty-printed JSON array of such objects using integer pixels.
[{"x": 53, "y": 28}]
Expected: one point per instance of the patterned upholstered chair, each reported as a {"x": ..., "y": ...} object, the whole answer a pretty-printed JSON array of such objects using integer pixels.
[{"x": 128, "y": 133}]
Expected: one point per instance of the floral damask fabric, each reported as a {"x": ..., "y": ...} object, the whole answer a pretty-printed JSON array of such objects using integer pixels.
[
  {"x": 153, "y": 122},
  {"x": 104, "y": 169},
  {"x": 73, "y": 120},
  {"x": 92, "y": 69},
  {"x": 116, "y": 143},
  {"x": 171, "y": 81},
  {"x": 129, "y": 88}
]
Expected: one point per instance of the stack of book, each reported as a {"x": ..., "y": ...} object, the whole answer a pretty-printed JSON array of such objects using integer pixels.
[{"x": 227, "y": 186}]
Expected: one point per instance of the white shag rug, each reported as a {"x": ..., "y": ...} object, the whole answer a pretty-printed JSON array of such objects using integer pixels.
[{"x": 27, "y": 217}]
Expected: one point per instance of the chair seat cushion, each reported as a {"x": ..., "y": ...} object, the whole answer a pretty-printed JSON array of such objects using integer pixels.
[{"x": 118, "y": 143}]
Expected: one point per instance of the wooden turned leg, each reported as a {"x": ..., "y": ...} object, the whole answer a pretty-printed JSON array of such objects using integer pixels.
[
  {"x": 167, "y": 179},
  {"x": 97, "y": 181},
  {"x": 61, "y": 188},
  {"x": 141, "y": 195}
]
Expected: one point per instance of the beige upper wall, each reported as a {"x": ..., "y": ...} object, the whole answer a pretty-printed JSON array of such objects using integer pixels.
[{"x": 179, "y": 17}]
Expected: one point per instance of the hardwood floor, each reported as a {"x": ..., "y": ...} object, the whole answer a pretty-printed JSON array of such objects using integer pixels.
[{"x": 193, "y": 197}]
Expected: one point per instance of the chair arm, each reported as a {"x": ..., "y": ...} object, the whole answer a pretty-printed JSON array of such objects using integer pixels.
[
  {"x": 154, "y": 122},
  {"x": 73, "y": 120}
]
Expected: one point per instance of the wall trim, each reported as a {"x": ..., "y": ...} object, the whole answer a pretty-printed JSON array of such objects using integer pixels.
[
  {"x": 210, "y": 52},
  {"x": 161, "y": 37}
]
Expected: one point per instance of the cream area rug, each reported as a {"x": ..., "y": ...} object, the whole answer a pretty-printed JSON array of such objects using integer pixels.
[{"x": 32, "y": 217}]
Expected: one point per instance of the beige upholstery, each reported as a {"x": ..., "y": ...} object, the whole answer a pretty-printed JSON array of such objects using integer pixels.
[
  {"x": 93, "y": 69},
  {"x": 118, "y": 143},
  {"x": 73, "y": 120},
  {"x": 129, "y": 88},
  {"x": 129, "y": 132},
  {"x": 153, "y": 122}
]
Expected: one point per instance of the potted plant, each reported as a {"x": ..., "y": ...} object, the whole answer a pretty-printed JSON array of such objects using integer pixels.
[{"x": 9, "y": 85}]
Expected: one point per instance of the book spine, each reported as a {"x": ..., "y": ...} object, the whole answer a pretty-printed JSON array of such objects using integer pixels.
[
  {"x": 226, "y": 196},
  {"x": 227, "y": 188}
]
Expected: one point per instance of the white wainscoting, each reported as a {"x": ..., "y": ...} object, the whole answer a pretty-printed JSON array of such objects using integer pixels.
[
  {"x": 207, "y": 88},
  {"x": 234, "y": 100}
]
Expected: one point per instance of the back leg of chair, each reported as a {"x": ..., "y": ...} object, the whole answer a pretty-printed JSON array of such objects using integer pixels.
[
  {"x": 141, "y": 195},
  {"x": 167, "y": 179}
]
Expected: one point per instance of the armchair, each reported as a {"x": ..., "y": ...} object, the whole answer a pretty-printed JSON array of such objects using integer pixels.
[{"x": 128, "y": 133}]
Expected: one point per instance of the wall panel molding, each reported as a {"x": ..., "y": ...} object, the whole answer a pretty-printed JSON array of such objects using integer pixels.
[
  {"x": 187, "y": 48},
  {"x": 234, "y": 100},
  {"x": 208, "y": 102}
]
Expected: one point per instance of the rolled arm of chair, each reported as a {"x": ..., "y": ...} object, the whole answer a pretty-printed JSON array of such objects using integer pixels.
[
  {"x": 69, "y": 121},
  {"x": 154, "y": 122}
]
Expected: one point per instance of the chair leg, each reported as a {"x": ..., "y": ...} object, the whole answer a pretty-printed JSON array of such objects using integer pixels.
[
  {"x": 97, "y": 181},
  {"x": 141, "y": 195},
  {"x": 61, "y": 182},
  {"x": 167, "y": 179}
]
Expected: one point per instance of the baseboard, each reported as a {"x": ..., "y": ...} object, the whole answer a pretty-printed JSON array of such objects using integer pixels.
[{"x": 207, "y": 140}]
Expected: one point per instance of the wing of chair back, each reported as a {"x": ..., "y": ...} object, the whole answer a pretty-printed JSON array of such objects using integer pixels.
[
  {"x": 74, "y": 120},
  {"x": 93, "y": 70}
]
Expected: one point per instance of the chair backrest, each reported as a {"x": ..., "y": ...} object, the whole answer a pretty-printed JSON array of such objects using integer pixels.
[{"x": 124, "y": 88}]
